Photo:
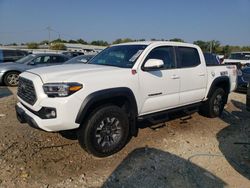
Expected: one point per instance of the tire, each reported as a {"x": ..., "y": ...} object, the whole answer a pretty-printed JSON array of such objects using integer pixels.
[
  {"x": 214, "y": 106},
  {"x": 11, "y": 79},
  {"x": 105, "y": 132}
]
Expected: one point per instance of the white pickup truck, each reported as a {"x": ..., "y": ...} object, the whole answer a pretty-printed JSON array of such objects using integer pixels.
[
  {"x": 104, "y": 99},
  {"x": 238, "y": 58}
]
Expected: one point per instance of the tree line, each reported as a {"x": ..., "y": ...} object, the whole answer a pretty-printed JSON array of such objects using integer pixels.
[{"x": 213, "y": 46}]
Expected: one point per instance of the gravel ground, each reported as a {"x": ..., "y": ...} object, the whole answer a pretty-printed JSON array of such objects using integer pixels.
[{"x": 187, "y": 152}]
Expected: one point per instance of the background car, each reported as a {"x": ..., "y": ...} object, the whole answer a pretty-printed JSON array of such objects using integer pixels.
[
  {"x": 9, "y": 71},
  {"x": 79, "y": 59},
  {"x": 248, "y": 97},
  {"x": 243, "y": 79},
  {"x": 211, "y": 59},
  {"x": 9, "y": 55},
  {"x": 72, "y": 54},
  {"x": 241, "y": 58}
]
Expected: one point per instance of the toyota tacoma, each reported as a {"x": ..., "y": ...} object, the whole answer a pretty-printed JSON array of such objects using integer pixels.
[{"x": 104, "y": 99}]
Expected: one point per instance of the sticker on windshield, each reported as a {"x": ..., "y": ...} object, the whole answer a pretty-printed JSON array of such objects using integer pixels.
[{"x": 135, "y": 56}]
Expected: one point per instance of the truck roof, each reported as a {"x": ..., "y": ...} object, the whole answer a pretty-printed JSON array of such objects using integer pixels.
[{"x": 157, "y": 43}]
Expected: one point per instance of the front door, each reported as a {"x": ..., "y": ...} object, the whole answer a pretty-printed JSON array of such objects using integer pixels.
[{"x": 160, "y": 88}]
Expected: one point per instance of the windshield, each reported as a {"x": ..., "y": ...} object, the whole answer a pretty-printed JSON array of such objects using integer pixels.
[
  {"x": 240, "y": 56},
  {"x": 79, "y": 59},
  {"x": 119, "y": 56},
  {"x": 26, "y": 58}
]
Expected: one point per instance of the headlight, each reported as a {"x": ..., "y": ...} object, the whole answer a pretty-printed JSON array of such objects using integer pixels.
[{"x": 61, "y": 89}]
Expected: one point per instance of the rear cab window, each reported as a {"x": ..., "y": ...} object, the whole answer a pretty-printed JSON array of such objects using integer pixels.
[{"x": 188, "y": 57}]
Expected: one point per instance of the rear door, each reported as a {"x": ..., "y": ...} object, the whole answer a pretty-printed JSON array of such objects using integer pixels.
[
  {"x": 193, "y": 75},
  {"x": 160, "y": 88}
]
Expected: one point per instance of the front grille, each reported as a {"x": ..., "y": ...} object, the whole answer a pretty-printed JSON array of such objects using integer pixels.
[{"x": 26, "y": 90}]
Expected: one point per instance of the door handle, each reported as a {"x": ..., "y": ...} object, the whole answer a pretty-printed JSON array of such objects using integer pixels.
[
  {"x": 201, "y": 74},
  {"x": 175, "y": 77}
]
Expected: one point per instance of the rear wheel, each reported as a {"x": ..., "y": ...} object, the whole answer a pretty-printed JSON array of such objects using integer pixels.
[
  {"x": 214, "y": 106},
  {"x": 105, "y": 132},
  {"x": 11, "y": 79}
]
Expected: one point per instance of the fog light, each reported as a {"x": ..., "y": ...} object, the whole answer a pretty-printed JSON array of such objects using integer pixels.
[
  {"x": 47, "y": 113},
  {"x": 50, "y": 113}
]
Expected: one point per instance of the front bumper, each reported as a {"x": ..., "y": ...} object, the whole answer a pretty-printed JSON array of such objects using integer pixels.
[
  {"x": 25, "y": 118},
  {"x": 63, "y": 122},
  {"x": 63, "y": 110}
]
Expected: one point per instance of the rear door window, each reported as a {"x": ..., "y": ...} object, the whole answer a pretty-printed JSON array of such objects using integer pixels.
[
  {"x": 57, "y": 59},
  {"x": 188, "y": 57},
  {"x": 42, "y": 59}
]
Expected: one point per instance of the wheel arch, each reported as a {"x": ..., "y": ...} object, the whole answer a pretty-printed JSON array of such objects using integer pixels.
[
  {"x": 122, "y": 97},
  {"x": 220, "y": 82}
]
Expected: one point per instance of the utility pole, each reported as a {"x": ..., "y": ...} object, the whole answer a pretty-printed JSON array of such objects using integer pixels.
[
  {"x": 211, "y": 46},
  {"x": 49, "y": 30}
]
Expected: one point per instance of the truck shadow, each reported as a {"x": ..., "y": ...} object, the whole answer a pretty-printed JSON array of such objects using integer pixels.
[
  {"x": 234, "y": 140},
  {"x": 4, "y": 92},
  {"x": 149, "y": 167}
]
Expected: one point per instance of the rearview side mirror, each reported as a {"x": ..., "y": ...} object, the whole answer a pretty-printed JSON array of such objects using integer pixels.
[{"x": 153, "y": 64}]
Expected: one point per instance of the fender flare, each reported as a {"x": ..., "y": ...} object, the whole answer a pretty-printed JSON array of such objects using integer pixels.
[
  {"x": 218, "y": 81},
  {"x": 106, "y": 94}
]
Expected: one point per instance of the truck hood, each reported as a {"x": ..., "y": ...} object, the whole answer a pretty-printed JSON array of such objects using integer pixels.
[{"x": 62, "y": 73}]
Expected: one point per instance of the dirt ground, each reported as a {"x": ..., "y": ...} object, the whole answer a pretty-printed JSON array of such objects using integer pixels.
[{"x": 187, "y": 152}]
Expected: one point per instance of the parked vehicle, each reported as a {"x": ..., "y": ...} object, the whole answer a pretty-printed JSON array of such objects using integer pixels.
[
  {"x": 79, "y": 59},
  {"x": 211, "y": 59},
  {"x": 9, "y": 55},
  {"x": 241, "y": 58},
  {"x": 73, "y": 54},
  {"x": 248, "y": 97},
  {"x": 9, "y": 72},
  {"x": 243, "y": 79},
  {"x": 123, "y": 84}
]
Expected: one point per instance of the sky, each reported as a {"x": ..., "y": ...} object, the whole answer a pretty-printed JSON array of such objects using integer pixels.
[{"x": 227, "y": 21}]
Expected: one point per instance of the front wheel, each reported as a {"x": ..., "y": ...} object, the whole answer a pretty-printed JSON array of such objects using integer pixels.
[
  {"x": 214, "y": 106},
  {"x": 105, "y": 132}
]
